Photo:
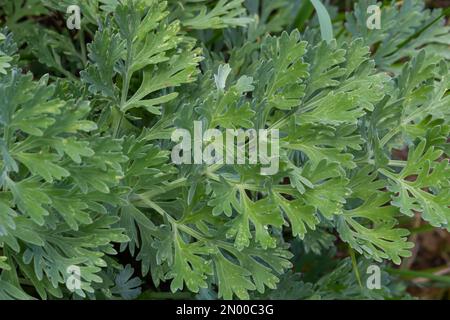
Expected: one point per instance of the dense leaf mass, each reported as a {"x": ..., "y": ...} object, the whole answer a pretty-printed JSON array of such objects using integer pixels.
[{"x": 87, "y": 179}]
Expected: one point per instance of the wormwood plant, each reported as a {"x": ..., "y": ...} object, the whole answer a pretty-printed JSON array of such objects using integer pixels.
[{"x": 86, "y": 121}]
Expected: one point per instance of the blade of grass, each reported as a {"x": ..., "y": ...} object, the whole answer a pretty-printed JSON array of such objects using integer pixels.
[
  {"x": 326, "y": 26},
  {"x": 410, "y": 275},
  {"x": 304, "y": 13},
  {"x": 355, "y": 266}
]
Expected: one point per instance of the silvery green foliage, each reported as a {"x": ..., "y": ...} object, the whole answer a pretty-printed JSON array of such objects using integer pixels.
[{"x": 86, "y": 170}]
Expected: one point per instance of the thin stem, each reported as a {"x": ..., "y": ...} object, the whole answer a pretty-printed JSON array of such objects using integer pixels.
[
  {"x": 83, "y": 47},
  {"x": 389, "y": 136},
  {"x": 411, "y": 274},
  {"x": 391, "y": 163},
  {"x": 397, "y": 163},
  {"x": 6, "y": 135},
  {"x": 182, "y": 182},
  {"x": 173, "y": 221},
  {"x": 355, "y": 266},
  {"x": 67, "y": 74},
  {"x": 117, "y": 123},
  {"x": 125, "y": 88}
]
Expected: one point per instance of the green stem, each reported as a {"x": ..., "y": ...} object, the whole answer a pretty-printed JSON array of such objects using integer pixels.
[
  {"x": 83, "y": 48},
  {"x": 182, "y": 182},
  {"x": 389, "y": 136},
  {"x": 419, "y": 32},
  {"x": 6, "y": 135},
  {"x": 67, "y": 74},
  {"x": 355, "y": 266},
  {"x": 397, "y": 163},
  {"x": 117, "y": 122},
  {"x": 391, "y": 163},
  {"x": 125, "y": 87},
  {"x": 176, "y": 224},
  {"x": 411, "y": 274}
]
